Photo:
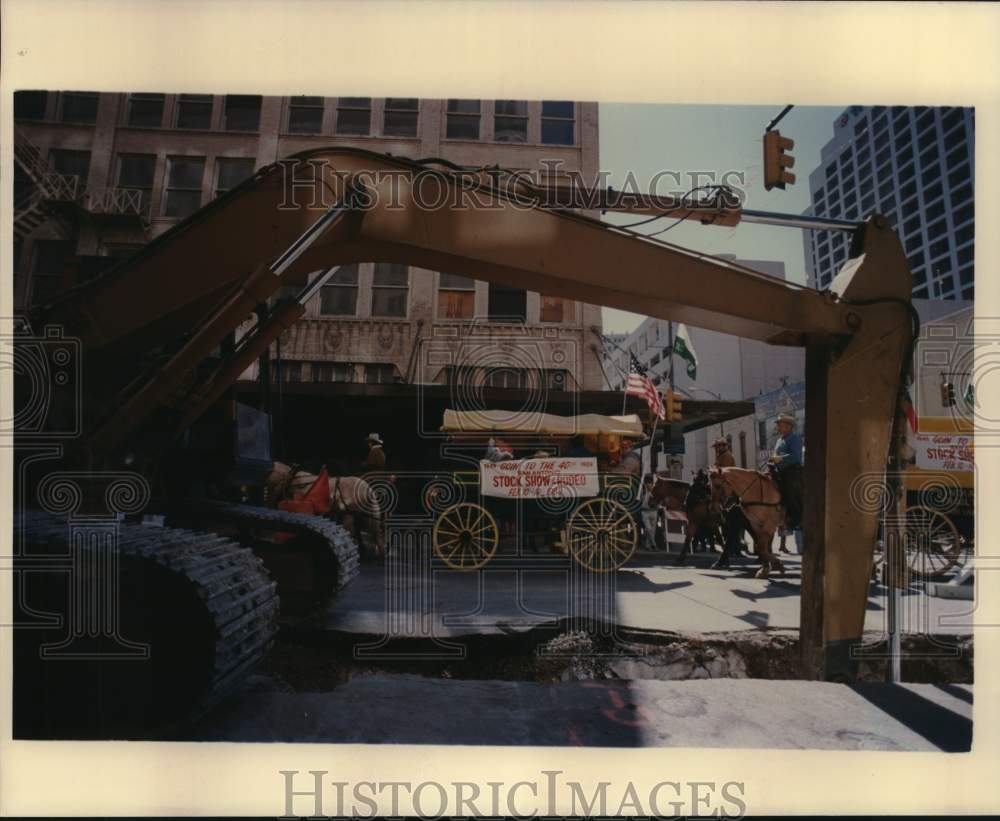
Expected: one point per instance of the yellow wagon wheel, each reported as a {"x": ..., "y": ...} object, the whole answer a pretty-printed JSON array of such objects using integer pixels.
[
  {"x": 933, "y": 545},
  {"x": 602, "y": 534},
  {"x": 465, "y": 536}
]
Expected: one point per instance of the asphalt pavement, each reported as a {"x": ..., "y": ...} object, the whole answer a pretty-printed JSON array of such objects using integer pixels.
[{"x": 406, "y": 598}]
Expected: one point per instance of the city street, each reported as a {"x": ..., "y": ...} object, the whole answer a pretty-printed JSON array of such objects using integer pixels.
[
  {"x": 495, "y": 690},
  {"x": 650, "y": 594}
]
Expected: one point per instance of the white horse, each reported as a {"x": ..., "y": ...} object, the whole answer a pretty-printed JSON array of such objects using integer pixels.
[{"x": 353, "y": 500}]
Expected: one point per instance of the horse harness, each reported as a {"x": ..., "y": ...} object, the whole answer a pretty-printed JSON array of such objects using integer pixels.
[
  {"x": 338, "y": 495},
  {"x": 737, "y": 498}
]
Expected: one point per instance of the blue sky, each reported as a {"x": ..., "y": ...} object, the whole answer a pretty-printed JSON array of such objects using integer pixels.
[{"x": 647, "y": 139}]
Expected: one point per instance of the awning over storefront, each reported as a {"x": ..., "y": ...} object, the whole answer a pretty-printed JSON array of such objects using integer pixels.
[{"x": 505, "y": 421}]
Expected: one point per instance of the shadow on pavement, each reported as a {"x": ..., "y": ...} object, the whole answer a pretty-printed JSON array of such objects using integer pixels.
[
  {"x": 633, "y": 581},
  {"x": 775, "y": 590},
  {"x": 757, "y": 618},
  {"x": 957, "y": 692},
  {"x": 942, "y": 727}
]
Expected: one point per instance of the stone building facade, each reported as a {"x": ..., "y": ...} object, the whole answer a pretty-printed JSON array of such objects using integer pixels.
[{"x": 98, "y": 175}]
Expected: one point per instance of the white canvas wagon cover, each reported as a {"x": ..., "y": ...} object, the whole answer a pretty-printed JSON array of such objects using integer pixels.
[{"x": 504, "y": 421}]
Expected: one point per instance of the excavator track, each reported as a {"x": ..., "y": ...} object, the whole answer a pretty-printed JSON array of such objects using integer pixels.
[
  {"x": 141, "y": 650},
  {"x": 311, "y": 558}
]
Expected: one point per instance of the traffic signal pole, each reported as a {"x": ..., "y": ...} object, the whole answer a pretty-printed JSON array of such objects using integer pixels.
[{"x": 670, "y": 346}]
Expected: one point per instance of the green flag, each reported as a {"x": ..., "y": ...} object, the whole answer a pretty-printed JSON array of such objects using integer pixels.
[
  {"x": 685, "y": 350},
  {"x": 970, "y": 396}
]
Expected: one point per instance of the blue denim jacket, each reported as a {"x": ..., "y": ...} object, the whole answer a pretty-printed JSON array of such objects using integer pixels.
[{"x": 789, "y": 449}]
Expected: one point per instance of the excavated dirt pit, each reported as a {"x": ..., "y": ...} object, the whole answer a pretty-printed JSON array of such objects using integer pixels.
[{"x": 303, "y": 662}]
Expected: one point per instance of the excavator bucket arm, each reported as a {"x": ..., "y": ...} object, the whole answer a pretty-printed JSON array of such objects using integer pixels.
[{"x": 858, "y": 334}]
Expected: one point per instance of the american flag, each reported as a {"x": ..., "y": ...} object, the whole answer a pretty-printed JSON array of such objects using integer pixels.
[{"x": 639, "y": 384}]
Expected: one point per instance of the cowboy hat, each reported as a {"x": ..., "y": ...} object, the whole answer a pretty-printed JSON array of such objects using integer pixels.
[
  {"x": 374, "y": 437},
  {"x": 786, "y": 417}
]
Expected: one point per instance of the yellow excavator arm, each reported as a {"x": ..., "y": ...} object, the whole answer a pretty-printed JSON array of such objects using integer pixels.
[{"x": 325, "y": 208}]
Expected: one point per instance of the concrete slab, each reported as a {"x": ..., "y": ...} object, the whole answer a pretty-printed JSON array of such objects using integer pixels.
[
  {"x": 713, "y": 713},
  {"x": 408, "y": 600}
]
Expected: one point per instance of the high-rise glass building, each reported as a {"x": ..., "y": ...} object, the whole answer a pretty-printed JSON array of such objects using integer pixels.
[{"x": 916, "y": 165}]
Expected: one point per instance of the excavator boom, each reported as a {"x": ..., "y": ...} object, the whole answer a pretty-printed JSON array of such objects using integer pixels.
[{"x": 207, "y": 274}]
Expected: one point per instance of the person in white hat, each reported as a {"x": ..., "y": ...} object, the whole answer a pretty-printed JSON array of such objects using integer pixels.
[
  {"x": 786, "y": 466},
  {"x": 376, "y": 453}
]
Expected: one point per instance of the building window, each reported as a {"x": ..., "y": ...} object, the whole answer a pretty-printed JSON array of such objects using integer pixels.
[
  {"x": 903, "y": 139},
  {"x": 557, "y": 122},
  {"x": 145, "y": 110},
  {"x": 456, "y": 297},
  {"x": 135, "y": 173},
  {"x": 932, "y": 192},
  {"x": 332, "y": 372},
  {"x": 305, "y": 115},
  {"x": 339, "y": 297},
  {"x": 959, "y": 176},
  {"x": 290, "y": 371},
  {"x": 78, "y": 107},
  {"x": 354, "y": 116},
  {"x": 959, "y": 195},
  {"x": 400, "y": 118},
  {"x": 506, "y": 377},
  {"x": 71, "y": 164},
  {"x": 510, "y": 121},
  {"x": 30, "y": 105},
  {"x": 952, "y": 119},
  {"x": 194, "y": 111},
  {"x": 937, "y": 229},
  {"x": 956, "y": 139},
  {"x": 963, "y": 214},
  {"x": 183, "y": 191},
  {"x": 390, "y": 288},
  {"x": 379, "y": 374},
  {"x": 48, "y": 266},
  {"x": 463, "y": 120},
  {"x": 508, "y": 304},
  {"x": 242, "y": 112},
  {"x": 939, "y": 249},
  {"x": 552, "y": 309},
  {"x": 230, "y": 172},
  {"x": 743, "y": 448}
]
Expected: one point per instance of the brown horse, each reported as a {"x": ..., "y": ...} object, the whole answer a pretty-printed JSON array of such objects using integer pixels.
[
  {"x": 760, "y": 501},
  {"x": 672, "y": 494}
]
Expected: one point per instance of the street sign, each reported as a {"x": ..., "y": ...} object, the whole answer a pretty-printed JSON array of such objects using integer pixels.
[{"x": 673, "y": 440}]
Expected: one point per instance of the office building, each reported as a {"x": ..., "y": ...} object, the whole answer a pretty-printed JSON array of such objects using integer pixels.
[
  {"x": 98, "y": 175},
  {"x": 916, "y": 165}
]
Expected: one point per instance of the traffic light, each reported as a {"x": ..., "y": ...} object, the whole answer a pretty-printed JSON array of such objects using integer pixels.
[
  {"x": 674, "y": 407},
  {"x": 947, "y": 394},
  {"x": 776, "y": 160}
]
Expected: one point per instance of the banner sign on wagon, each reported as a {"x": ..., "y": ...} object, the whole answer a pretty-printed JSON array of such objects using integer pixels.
[
  {"x": 937, "y": 451},
  {"x": 539, "y": 478}
]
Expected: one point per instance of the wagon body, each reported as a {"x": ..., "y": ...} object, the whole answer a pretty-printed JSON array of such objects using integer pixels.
[{"x": 549, "y": 499}]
